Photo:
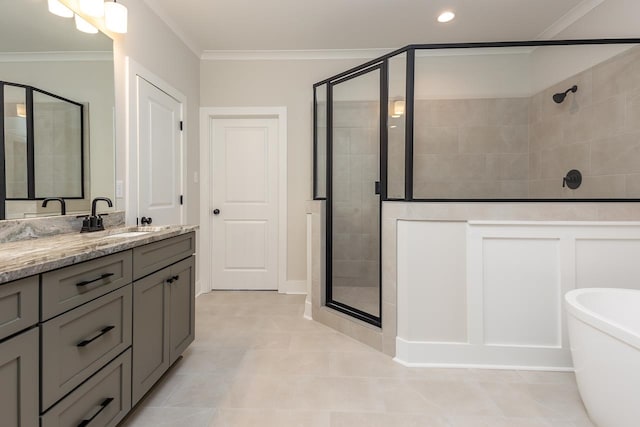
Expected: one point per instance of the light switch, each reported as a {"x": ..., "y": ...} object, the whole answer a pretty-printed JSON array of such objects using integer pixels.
[
  {"x": 196, "y": 177},
  {"x": 119, "y": 189}
]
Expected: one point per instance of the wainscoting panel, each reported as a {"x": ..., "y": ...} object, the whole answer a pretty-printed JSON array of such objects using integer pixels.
[
  {"x": 521, "y": 292},
  {"x": 608, "y": 263},
  {"x": 516, "y": 275}
]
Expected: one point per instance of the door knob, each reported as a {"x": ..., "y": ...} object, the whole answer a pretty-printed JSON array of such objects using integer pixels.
[
  {"x": 146, "y": 221},
  {"x": 216, "y": 211}
]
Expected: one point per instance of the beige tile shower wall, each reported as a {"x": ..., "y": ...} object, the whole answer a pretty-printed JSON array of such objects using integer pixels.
[
  {"x": 355, "y": 205},
  {"x": 473, "y": 148},
  {"x": 596, "y": 130}
]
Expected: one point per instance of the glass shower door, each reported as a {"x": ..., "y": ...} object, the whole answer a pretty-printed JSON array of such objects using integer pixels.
[{"x": 353, "y": 196}]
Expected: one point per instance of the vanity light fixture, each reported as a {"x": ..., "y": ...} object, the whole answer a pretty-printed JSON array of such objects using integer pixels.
[
  {"x": 446, "y": 16},
  {"x": 398, "y": 109},
  {"x": 115, "y": 17},
  {"x": 93, "y": 8},
  {"x": 59, "y": 9},
  {"x": 84, "y": 26},
  {"x": 21, "y": 110}
]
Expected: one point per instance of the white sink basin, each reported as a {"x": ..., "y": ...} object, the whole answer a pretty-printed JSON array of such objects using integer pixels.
[{"x": 127, "y": 234}]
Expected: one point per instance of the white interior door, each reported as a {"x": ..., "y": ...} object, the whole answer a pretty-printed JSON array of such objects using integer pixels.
[
  {"x": 245, "y": 203},
  {"x": 159, "y": 155}
]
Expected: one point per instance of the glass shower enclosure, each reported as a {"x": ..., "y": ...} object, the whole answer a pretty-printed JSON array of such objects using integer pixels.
[
  {"x": 525, "y": 121},
  {"x": 353, "y": 137}
]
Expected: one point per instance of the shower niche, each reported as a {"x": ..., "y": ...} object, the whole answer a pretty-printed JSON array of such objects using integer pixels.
[{"x": 473, "y": 122}]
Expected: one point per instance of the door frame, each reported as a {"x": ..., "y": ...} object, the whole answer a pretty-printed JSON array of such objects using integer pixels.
[
  {"x": 135, "y": 70},
  {"x": 206, "y": 185}
]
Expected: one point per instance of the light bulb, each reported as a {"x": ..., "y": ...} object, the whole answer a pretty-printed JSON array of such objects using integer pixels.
[
  {"x": 398, "y": 108},
  {"x": 446, "y": 16},
  {"x": 84, "y": 26},
  {"x": 21, "y": 110},
  {"x": 115, "y": 17},
  {"x": 94, "y": 8},
  {"x": 59, "y": 9}
]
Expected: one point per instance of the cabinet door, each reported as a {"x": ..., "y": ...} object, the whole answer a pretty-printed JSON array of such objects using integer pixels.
[
  {"x": 150, "y": 332},
  {"x": 19, "y": 303},
  {"x": 182, "y": 287},
  {"x": 19, "y": 380}
]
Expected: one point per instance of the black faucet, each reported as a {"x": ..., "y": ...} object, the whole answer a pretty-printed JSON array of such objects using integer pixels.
[
  {"x": 94, "y": 222},
  {"x": 63, "y": 206},
  {"x": 95, "y": 202}
]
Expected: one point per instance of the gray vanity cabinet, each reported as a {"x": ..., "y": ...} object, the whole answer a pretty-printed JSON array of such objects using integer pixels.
[
  {"x": 81, "y": 344},
  {"x": 104, "y": 400},
  {"x": 18, "y": 306},
  {"x": 182, "y": 305},
  {"x": 150, "y": 332},
  {"x": 78, "y": 343},
  {"x": 19, "y": 357},
  {"x": 19, "y": 380},
  {"x": 163, "y": 309},
  {"x": 69, "y": 287}
]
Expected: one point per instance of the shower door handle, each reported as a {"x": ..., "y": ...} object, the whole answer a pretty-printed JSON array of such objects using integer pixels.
[{"x": 377, "y": 187}]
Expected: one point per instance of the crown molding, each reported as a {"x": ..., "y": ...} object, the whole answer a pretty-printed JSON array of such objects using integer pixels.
[
  {"x": 569, "y": 18},
  {"x": 284, "y": 55},
  {"x": 174, "y": 27},
  {"x": 55, "y": 56}
]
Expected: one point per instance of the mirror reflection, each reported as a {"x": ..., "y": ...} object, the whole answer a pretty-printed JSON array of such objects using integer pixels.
[
  {"x": 57, "y": 134},
  {"x": 15, "y": 141},
  {"x": 73, "y": 154}
]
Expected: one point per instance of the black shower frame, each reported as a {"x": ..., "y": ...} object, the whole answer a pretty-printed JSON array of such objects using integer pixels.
[
  {"x": 382, "y": 69},
  {"x": 410, "y": 80},
  {"x": 31, "y": 190},
  {"x": 382, "y": 63}
]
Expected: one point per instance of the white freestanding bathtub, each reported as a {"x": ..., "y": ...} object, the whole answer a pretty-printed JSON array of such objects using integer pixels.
[{"x": 604, "y": 333}]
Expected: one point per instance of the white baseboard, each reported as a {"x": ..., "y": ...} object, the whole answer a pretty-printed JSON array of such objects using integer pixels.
[
  {"x": 198, "y": 289},
  {"x": 421, "y": 354},
  {"x": 307, "y": 309},
  {"x": 293, "y": 287},
  {"x": 476, "y": 366}
]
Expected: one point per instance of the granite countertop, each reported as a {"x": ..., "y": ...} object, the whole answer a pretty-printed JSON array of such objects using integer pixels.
[{"x": 28, "y": 257}]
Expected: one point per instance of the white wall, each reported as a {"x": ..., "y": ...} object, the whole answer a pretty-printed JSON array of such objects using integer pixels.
[
  {"x": 288, "y": 83},
  {"x": 153, "y": 45}
]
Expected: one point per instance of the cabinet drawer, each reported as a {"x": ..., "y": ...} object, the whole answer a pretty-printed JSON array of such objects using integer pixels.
[
  {"x": 19, "y": 380},
  {"x": 157, "y": 255},
  {"x": 72, "y": 286},
  {"x": 78, "y": 343},
  {"x": 102, "y": 401},
  {"x": 18, "y": 306}
]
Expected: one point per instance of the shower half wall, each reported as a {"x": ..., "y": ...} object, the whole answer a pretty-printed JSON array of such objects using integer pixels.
[{"x": 472, "y": 133}]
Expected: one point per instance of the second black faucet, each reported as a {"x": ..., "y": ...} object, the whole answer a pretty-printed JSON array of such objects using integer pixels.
[{"x": 94, "y": 222}]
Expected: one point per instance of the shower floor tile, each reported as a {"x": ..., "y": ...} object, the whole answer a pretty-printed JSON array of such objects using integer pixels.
[{"x": 257, "y": 362}]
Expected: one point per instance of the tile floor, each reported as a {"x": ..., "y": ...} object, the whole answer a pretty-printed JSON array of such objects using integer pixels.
[
  {"x": 257, "y": 362},
  {"x": 364, "y": 298}
]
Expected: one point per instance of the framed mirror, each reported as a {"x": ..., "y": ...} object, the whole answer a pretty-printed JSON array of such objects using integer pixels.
[
  {"x": 43, "y": 142},
  {"x": 71, "y": 73}
]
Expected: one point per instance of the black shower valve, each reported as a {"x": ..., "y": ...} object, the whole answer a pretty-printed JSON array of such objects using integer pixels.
[{"x": 573, "y": 179}]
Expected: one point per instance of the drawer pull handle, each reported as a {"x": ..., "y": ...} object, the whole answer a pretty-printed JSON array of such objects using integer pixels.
[
  {"x": 88, "y": 341},
  {"x": 103, "y": 406},
  {"x": 87, "y": 282},
  {"x": 172, "y": 279}
]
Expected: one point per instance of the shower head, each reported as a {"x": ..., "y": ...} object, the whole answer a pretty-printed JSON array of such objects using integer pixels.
[{"x": 560, "y": 96}]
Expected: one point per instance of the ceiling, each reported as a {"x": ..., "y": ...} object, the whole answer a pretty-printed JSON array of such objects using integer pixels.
[{"x": 358, "y": 24}]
